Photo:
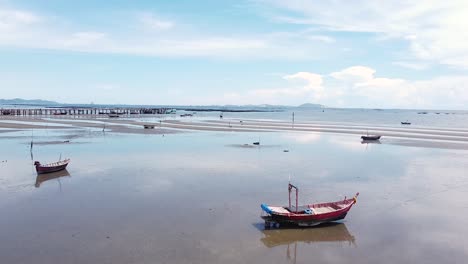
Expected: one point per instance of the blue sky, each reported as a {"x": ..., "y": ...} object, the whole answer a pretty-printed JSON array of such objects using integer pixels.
[{"x": 337, "y": 53}]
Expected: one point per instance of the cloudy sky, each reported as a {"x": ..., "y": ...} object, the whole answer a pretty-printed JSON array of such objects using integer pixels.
[{"x": 377, "y": 54}]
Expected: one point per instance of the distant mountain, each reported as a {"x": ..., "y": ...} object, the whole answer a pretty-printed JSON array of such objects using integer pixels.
[
  {"x": 19, "y": 101},
  {"x": 309, "y": 105}
]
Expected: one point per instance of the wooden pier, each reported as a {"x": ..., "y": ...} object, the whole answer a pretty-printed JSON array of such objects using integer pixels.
[{"x": 81, "y": 111}]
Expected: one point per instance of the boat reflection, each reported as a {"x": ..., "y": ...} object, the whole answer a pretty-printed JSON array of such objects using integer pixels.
[
  {"x": 332, "y": 232},
  {"x": 371, "y": 142},
  {"x": 50, "y": 176},
  {"x": 327, "y": 233}
]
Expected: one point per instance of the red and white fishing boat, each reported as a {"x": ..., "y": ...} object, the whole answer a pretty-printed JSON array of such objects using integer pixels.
[
  {"x": 51, "y": 167},
  {"x": 306, "y": 215}
]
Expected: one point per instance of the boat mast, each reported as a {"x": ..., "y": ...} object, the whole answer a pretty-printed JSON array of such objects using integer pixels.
[{"x": 290, "y": 187}]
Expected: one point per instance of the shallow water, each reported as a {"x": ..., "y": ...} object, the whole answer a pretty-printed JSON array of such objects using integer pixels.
[{"x": 194, "y": 198}]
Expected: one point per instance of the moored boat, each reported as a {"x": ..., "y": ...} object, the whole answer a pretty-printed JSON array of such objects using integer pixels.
[
  {"x": 406, "y": 123},
  {"x": 371, "y": 137},
  {"x": 113, "y": 115},
  {"x": 306, "y": 215},
  {"x": 51, "y": 167}
]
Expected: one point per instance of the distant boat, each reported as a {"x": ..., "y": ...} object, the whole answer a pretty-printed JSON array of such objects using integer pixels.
[
  {"x": 306, "y": 215},
  {"x": 371, "y": 137},
  {"x": 406, "y": 123},
  {"x": 148, "y": 126},
  {"x": 51, "y": 167},
  {"x": 256, "y": 143},
  {"x": 113, "y": 115},
  {"x": 184, "y": 115}
]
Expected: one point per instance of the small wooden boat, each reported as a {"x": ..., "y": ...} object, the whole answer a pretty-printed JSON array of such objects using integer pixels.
[
  {"x": 306, "y": 215},
  {"x": 371, "y": 137},
  {"x": 51, "y": 167},
  {"x": 406, "y": 123}
]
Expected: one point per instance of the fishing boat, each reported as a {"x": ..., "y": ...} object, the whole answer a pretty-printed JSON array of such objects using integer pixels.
[
  {"x": 406, "y": 123},
  {"x": 371, "y": 137},
  {"x": 51, "y": 167},
  {"x": 306, "y": 215}
]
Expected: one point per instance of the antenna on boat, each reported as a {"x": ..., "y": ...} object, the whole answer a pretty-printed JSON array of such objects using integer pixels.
[
  {"x": 60, "y": 156},
  {"x": 32, "y": 138}
]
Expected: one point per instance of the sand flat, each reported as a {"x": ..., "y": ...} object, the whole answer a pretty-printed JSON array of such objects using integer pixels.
[{"x": 125, "y": 200}]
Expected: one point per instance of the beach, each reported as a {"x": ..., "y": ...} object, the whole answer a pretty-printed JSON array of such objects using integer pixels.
[{"x": 189, "y": 190}]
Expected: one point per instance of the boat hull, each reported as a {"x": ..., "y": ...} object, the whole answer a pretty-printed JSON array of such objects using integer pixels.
[
  {"x": 304, "y": 221},
  {"x": 370, "y": 137},
  {"x": 42, "y": 170},
  {"x": 53, "y": 167}
]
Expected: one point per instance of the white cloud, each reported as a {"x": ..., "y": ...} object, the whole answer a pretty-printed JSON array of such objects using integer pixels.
[
  {"x": 322, "y": 38},
  {"x": 436, "y": 30},
  {"x": 411, "y": 65},
  {"x": 152, "y": 22},
  {"x": 354, "y": 74},
  {"x": 11, "y": 19},
  {"x": 358, "y": 86},
  {"x": 312, "y": 80},
  {"x": 25, "y": 29},
  {"x": 305, "y": 85}
]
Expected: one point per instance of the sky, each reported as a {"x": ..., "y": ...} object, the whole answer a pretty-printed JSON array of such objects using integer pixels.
[{"x": 366, "y": 54}]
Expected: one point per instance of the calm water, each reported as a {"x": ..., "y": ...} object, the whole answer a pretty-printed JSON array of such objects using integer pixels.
[{"x": 194, "y": 198}]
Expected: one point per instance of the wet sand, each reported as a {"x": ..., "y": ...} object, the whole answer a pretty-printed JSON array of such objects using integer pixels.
[
  {"x": 195, "y": 198},
  {"x": 405, "y": 136}
]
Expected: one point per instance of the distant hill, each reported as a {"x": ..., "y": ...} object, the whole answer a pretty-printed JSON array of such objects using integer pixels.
[
  {"x": 19, "y": 101},
  {"x": 309, "y": 105}
]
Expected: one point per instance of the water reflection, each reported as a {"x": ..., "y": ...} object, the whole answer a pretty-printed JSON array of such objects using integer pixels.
[
  {"x": 371, "y": 142},
  {"x": 332, "y": 232},
  {"x": 50, "y": 176}
]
